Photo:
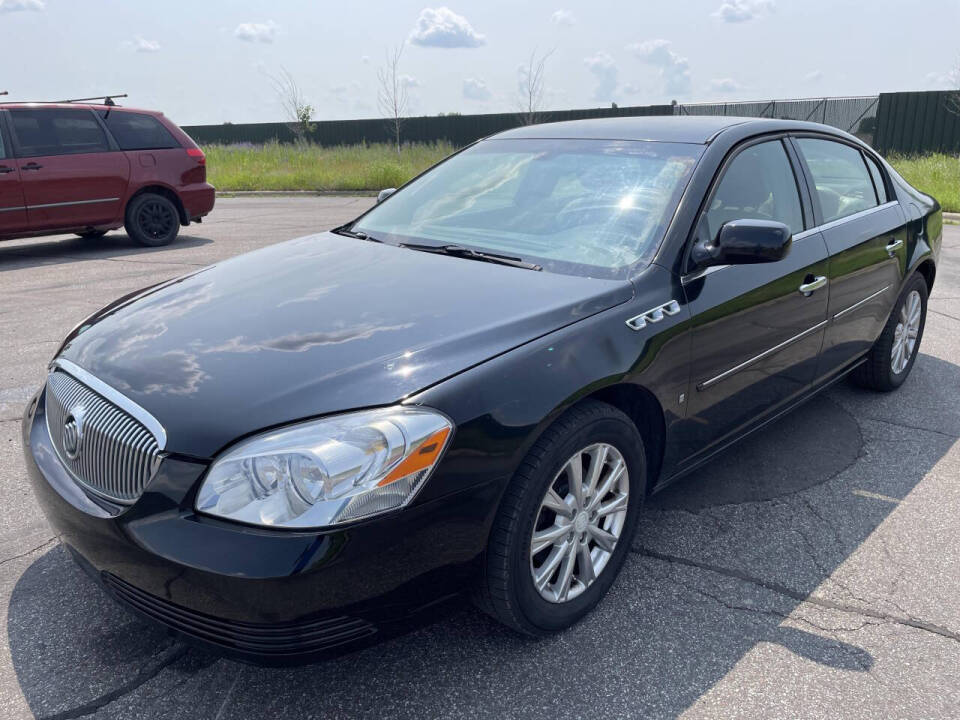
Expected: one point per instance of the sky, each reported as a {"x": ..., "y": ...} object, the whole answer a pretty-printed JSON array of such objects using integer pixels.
[{"x": 210, "y": 61}]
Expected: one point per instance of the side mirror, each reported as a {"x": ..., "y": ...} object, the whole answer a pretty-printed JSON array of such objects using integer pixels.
[
  {"x": 744, "y": 242},
  {"x": 384, "y": 194}
]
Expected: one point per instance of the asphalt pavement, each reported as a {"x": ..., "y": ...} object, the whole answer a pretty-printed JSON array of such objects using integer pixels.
[{"x": 812, "y": 571}]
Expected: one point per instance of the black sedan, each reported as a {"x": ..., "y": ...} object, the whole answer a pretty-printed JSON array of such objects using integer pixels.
[{"x": 472, "y": 388}]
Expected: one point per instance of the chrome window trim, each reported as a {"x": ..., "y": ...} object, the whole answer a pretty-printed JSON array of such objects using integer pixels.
[
  {"x": 757, "y": 358},
  {"x": 72, "y": 202},
  {"x": 860, "y": 303},
  {"x": 117, "y": 398},
  {"x": 12, "y": 209},
  {"x": 856, "y": 215}
]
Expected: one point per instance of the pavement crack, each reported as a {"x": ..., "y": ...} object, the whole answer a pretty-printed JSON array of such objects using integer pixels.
[
  {"x": 905, "y": 620},
  {"x": 946, "y": 315},
  {"x": 141, "y": 678},
  {"x": 28, "y": 552},
  {"x": 950, "y": 436}
]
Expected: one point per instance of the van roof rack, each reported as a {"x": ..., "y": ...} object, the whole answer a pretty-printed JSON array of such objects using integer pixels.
[{"x": 108, "y": 100}]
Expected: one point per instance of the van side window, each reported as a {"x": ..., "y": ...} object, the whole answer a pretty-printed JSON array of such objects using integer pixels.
[
  {"x": 52, "y": 131},
  {"x": 136, "y": 131}
]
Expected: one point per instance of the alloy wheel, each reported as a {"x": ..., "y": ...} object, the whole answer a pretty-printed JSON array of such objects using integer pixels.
[
  {"x": 579, "y": 522},
  {"x": 156, "y": 219},
  {"x": 906, "y": 332}
]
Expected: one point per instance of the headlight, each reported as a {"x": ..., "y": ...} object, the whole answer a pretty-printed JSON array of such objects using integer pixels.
[{"x": 328, "y": 471}]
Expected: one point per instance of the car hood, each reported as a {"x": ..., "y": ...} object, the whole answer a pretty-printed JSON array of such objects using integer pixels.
[{"x": 314, "y": 326}]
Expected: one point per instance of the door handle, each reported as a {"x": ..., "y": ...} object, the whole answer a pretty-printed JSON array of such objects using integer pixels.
[
  {"x": 893, "y": 246},
  {"x": 31, "y": 166},
  {"x": 4, "y": 169},
  {"x": 807, "y": 287}
]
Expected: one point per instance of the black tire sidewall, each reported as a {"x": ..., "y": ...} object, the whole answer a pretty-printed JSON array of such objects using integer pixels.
[
  {"x": 544, "y": 616},
  {"x": 919, "y": 285},
  {"x": 132, "y": 221}
]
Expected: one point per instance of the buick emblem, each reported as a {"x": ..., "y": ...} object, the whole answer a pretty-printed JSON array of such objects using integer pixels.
[{"x": 73, "y": 432}]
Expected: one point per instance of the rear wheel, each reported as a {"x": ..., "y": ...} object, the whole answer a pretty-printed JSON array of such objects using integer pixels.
[
  {"x": 92, "y": 234},
  {"x": 566, "y": 521},
  {"x": 152, "y": 220},
  {"x": 890, "y": 360}
]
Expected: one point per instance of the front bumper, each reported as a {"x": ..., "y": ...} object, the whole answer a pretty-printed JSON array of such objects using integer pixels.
[{"x": 265, "y": 596}]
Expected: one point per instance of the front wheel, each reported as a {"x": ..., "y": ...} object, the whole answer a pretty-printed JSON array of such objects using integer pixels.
[
  {"x": 152, "y": 220},
  {"x": 890, "y": 360},
  {"x": 566, "y": 521}
]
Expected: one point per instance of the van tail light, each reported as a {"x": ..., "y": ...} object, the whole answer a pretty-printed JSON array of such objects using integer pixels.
[{"x": 197, "y": 154}]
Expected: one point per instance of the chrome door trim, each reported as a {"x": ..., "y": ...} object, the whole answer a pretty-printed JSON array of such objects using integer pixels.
[
  {"x": 117, "y": 398},
  {"x": 72, "y": 202},
  {"x": 757, "y": 358},
  {"x": 13, "y": 209},
  {"x": 861, "y": 302}
]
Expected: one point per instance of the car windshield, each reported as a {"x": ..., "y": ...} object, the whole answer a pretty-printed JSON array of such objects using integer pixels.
[{"x": 585, "y": 207}]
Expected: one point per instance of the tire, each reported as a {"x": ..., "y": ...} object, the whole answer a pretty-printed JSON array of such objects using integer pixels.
[
  {"x": 152, "y": 220},
  {"x": 884, "y": 371},
  {"x": 92, "y": 234},
  {"x": 507, "y": 591}
]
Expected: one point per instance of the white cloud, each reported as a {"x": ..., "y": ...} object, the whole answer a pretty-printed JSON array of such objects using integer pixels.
[
  {"x": 408, "y": 81},
  {"x": 674, "y": 68},
  {"x": 563, "y": 17},
  {"x": 604, "y": 69},
  {"x": 475, "y": 89},
  {"x": 738, "y": 11},
  {"x": 813, "y": 76},
  {"x": 441, "y": 27},
  {"x": 257, "y": 32},
  {"x": 632, "y": 89},
  {"x": 18, "y": 5},
  {"x": 141, "y": 45},
  {"x": 725, "y": 85},
  {"x": 365, "y": 59}
]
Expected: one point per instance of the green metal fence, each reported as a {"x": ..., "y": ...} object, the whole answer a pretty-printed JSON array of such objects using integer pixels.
[
  {"x": 915, "y": 123},
  {"x": 457, "y": 129},
  {"x": 907, "y": 123}
]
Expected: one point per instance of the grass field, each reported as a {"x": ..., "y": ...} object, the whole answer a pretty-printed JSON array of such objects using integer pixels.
[
  {"x": 374, "y": 167},
  {"x": 311, "y": 167},
  {"x": 937, "y": 175}
]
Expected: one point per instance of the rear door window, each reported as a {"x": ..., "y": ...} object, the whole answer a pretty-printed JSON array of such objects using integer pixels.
[
  {"x": 54, "y": 131},
  {"x": 759, "y": 184},
  {"x": 136, "y": 131},
  {"x": 842, "y": 181},
  {"x": 877, "y": 176}
]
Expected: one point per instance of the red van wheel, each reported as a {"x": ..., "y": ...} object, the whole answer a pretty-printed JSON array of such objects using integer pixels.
[{"x": 152, "y": 220}]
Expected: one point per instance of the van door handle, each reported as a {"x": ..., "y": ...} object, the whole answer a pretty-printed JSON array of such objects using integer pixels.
[
  {"x": 809, "y": 286},
  {"x": 893, "y": 246},
  {"x": 31, "y": 166},
  {"x": 4, "y": 169}
]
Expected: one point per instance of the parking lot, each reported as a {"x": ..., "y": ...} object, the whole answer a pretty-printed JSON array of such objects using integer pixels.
[{"x": 812, "y": 571}]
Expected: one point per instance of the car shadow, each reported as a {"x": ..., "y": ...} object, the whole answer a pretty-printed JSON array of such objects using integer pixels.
[
  {"x": 55, "y": 250},
  {"x": 664, "y": 636}
]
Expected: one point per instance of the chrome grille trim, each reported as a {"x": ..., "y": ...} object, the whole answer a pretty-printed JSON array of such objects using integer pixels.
[{"x": 117, "y": 454}]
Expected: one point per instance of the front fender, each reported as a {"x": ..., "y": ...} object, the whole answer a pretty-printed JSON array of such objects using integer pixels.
[{"x": 502, "y": 406}]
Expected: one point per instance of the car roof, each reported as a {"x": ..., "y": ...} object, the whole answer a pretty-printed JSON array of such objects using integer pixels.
[
  {"x": 74, "y": 106},
  {"x": 698, "y": 129}
]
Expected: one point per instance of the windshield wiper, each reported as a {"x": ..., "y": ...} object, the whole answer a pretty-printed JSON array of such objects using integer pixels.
[
  {"x": 359, "y": 234},
  {"x": 463, "y": 252}
]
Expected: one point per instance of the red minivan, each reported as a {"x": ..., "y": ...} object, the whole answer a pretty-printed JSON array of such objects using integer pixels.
[{"x": 88, "y": 169}]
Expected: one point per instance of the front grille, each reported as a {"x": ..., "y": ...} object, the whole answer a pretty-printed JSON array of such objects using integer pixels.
[
  {"x": 271, "y": 640},
  {"x": 106, "y": 449}
]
